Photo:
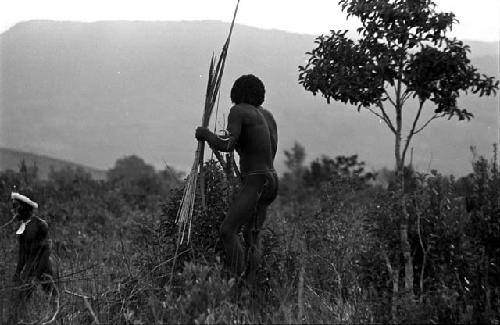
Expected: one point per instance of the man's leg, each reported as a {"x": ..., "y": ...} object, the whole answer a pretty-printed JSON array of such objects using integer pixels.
[
  {"x": 252, "y": 232},
  {"x": 44, "y": 272},
  {"x": 22, "y": 292},
  {"x": 253, "y": 243},
  {"x": 241, "y": 212}
]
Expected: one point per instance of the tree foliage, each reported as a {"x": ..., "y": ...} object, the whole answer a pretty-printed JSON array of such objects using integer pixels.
[
  {"x": 138, "y": 181},
  {"x": 327, "y": 169},
  {"x": 403, "y": 51}
]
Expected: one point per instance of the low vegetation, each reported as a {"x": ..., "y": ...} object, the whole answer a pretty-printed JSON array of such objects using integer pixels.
[{"x": 330, "y": 247}]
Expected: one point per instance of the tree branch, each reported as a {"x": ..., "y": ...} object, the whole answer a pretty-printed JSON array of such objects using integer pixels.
[
  {"x": 387, "y": 262},
  {"x": 384, "y": 116},
  {"x": 435, "y": 116},
  {"x": 405, "y": 96},
  {"x": 412, "y": 130},
  {"x": 86, "y": 303},
  {"x": 389, "y": 98},
  {"x": 58, "y": 296},
  {"x": 219, "y": 157},
  {"x": 235, "y": 166},
  {"x": 168, "y": 260},
  {"x": 424, "y": 250},
  {"x": 8, "y": 223},
  {"x": 388, "y": 123}
]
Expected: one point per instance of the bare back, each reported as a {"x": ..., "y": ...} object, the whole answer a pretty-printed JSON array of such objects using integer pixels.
[
  {"x": 252, "y": 133},
  {"x": 255, "y": 142}
]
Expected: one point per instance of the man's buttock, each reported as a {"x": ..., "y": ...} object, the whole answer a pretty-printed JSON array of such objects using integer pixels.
[{"x": 269, "y": 190}]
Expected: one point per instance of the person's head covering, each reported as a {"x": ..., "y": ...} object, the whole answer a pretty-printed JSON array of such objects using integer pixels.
[{"x": 23, "y": 199}]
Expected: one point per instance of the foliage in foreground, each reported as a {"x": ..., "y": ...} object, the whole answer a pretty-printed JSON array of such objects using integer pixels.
[{"x": 327, "y": 258}]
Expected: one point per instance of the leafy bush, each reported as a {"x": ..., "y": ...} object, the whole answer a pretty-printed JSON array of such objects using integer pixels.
[{"x": 326, "y": 258}]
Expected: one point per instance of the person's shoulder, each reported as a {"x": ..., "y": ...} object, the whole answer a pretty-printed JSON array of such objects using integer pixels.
[
  {"x": 266, "y": 113},
  {"x": 38, "y": 220},
  {"x": 242, "y": 107},
  {"x": 241, "y": 110},
  {"x": 237, "y": 107}
]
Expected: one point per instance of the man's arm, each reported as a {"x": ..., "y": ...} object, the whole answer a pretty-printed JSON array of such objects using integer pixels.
[
  {"x": 41, "y": 263},
  {"x": 21, "y": 260},
  {"x": 224, "y": 143}
]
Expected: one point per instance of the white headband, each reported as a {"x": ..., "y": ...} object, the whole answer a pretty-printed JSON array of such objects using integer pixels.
[{"x": 24, "y": 199}]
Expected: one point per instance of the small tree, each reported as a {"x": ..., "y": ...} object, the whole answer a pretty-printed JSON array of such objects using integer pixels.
[
  {"x": 135, "y": 180},
  {"x": 403, "y": 52},
  {"x": 325, "y": 169},
  {"x": 293, "y": 177}
]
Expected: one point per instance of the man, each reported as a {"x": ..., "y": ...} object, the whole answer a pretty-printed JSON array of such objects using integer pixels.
[
  {"x": 252, "y": 132},
  {"x": 33, "y": 255},
  {"x": 34, "y": 249}
]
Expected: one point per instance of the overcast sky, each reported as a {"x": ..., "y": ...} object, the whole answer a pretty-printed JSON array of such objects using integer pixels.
[{"x": 479, "y": 19}]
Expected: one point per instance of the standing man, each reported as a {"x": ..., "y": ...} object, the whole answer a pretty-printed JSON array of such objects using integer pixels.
[
  {"x": 33, "y": 255},
  {"x": 252, "y": 132},
  {"x": 34, "y": 248}
]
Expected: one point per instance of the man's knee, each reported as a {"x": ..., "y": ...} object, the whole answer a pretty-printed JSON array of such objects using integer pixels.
[
  {"x": 226, "y": 231},
  {"x": 251, "y": 234},
  {"x": 48, "y": 283}
]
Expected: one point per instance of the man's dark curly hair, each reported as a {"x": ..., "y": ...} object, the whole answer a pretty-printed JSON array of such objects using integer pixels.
[{"x": 248, "y": 89}]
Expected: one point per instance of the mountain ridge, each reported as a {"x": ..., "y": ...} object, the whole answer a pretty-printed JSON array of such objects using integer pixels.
[
  {"x": 11, "y": 159},
  {"x": 94, "y": 92}
]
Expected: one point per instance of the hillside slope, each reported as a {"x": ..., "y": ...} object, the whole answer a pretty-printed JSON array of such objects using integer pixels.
[
  {"x": 94, "y": 92},
  {"x": 11, "y": 159}
]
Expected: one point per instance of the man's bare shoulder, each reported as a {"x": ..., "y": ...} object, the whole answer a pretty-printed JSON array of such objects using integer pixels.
[
  {"x": 267, "y": 113},
  {"x": 241, "y": 107},
  {"x": 40, "y": 223}
]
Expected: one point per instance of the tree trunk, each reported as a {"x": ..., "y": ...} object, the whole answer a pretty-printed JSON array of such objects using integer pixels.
[
  {"x": 405, "y": 247},
  {"x": 487, "y": 289},
  {"x": 395, "y": 296},
  {"x": 394, "y": 275},
  {"x": 403, "y": 225},
  {"x": 300, "y": 293},
  {"x": 397, "y": 150},
  {"x": 424, "y": 258}
]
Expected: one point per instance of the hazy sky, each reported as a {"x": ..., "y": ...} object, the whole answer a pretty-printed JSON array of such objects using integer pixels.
[{"x": 479, "y": 19}]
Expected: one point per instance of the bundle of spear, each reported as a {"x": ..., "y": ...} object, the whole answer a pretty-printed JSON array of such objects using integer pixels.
[{"x": 185, "y": 212}]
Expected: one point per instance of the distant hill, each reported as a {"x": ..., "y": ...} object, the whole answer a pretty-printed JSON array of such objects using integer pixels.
[
  {"x": 95, "y": 92},
  {"x": 11, "y": 159}
]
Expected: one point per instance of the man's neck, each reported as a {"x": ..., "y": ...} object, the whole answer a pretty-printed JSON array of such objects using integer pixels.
[{"x": 26, "y": 219}]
